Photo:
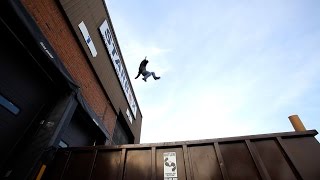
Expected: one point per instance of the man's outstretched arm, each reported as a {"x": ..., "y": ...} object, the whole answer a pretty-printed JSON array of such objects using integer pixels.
[{"x": 138, "y": 75}]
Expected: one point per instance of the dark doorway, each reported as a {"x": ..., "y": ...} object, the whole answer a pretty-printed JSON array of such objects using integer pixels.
[
  {"x": 25, "y": 92},
  {"x": 82, "y": 131},
  {"x": 122, "y": 133}
]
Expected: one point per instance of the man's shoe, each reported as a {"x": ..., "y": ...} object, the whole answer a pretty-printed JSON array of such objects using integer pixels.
[
  {"x": 157, "y": 78},
  {"x": 144, "y": 79}
]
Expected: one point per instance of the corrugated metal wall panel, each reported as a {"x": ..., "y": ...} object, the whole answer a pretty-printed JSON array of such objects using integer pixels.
[
  {"x": 204, "y": 162},
  {"x": 270, "y": 152},
  {"x": 57, "y": 167},
  {"x": 138, "y": 165},
  {"x": 293, "y": 155},
  {"x": 107, "y": 165},
  {"x": 304, "y": 154},
  {"x": 79, "y": 165},
  {"x": 238, "y": 161}
]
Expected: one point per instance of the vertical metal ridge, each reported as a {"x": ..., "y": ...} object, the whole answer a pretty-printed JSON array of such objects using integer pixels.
[
  {"x": 258, "y": 161},
  {"x": 191, "y": 165},
  {"x": 66, "y": 165},
  {"x": 221, "y": 162},
  {"x": 153, "y": 163},
  {"x": 288, "y": 156},
  {"x": 122, "y": 164},
  {"x": 186, "y": 161},
  {"x": 93, "y": 162}
]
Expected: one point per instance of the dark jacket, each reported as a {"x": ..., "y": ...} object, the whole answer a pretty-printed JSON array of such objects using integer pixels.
[{"x": 142, "y": 67}]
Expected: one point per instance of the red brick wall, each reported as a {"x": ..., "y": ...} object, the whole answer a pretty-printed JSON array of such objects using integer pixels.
[{"x": 55, "y": 27}]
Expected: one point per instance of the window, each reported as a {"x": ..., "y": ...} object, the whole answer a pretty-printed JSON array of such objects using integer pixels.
[{"x": 9, "y": 105}]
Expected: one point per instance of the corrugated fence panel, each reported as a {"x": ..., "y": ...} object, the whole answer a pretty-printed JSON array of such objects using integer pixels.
[
  {"x": 204, "y": 163},
  {"x": 270, "y": 153},
  {"x": 106, "y": 165},
  {"x": 138, "y": 165},
  {"x": 56, "y": 168},
  {"x": 79, "y": 165},
  {"x": 238, "y": 161},
  {"x": 305, "y": 154},
  {"x": 281, "y": 156}
]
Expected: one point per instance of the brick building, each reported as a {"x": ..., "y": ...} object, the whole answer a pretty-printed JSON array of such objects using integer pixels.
[{"x": 63, "y": 82}]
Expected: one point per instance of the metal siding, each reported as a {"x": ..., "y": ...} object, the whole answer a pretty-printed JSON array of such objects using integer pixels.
[
  {"x": 205, "y": 164},
  {"x": 79, "y": 165},
  {"x": 138, "y": 165},
  {"x": 222, "y": 158},
  {"x": 57, "y": 167},
  {"x": 305, "y": 154},
  {"x": 270, "y": 153},
  {"x": 238, "y": 161},
  {"x": 93, "y": 13},
  {"x": 106, "y": 165}
]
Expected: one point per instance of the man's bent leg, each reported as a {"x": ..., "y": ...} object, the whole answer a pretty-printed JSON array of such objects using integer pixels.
[
  {"x": 146, "y": 74},
  {"x": 154, "y": 76}
]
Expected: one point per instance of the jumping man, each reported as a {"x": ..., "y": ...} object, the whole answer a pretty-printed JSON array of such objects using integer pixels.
[{"x": 144, "y": 72}]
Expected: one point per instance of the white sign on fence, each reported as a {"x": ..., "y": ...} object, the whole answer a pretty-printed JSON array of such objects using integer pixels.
[{"x": 170, "y": 169}]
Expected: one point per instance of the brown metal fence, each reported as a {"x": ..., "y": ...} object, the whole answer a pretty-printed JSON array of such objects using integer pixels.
[{"x": 283, "y": 156}]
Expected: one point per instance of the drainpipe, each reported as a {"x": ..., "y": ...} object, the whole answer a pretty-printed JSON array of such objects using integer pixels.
[{"x": 296, "y": 123}]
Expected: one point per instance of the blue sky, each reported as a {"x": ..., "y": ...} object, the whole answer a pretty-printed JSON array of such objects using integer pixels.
[{"x": 228, "y": 68}]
